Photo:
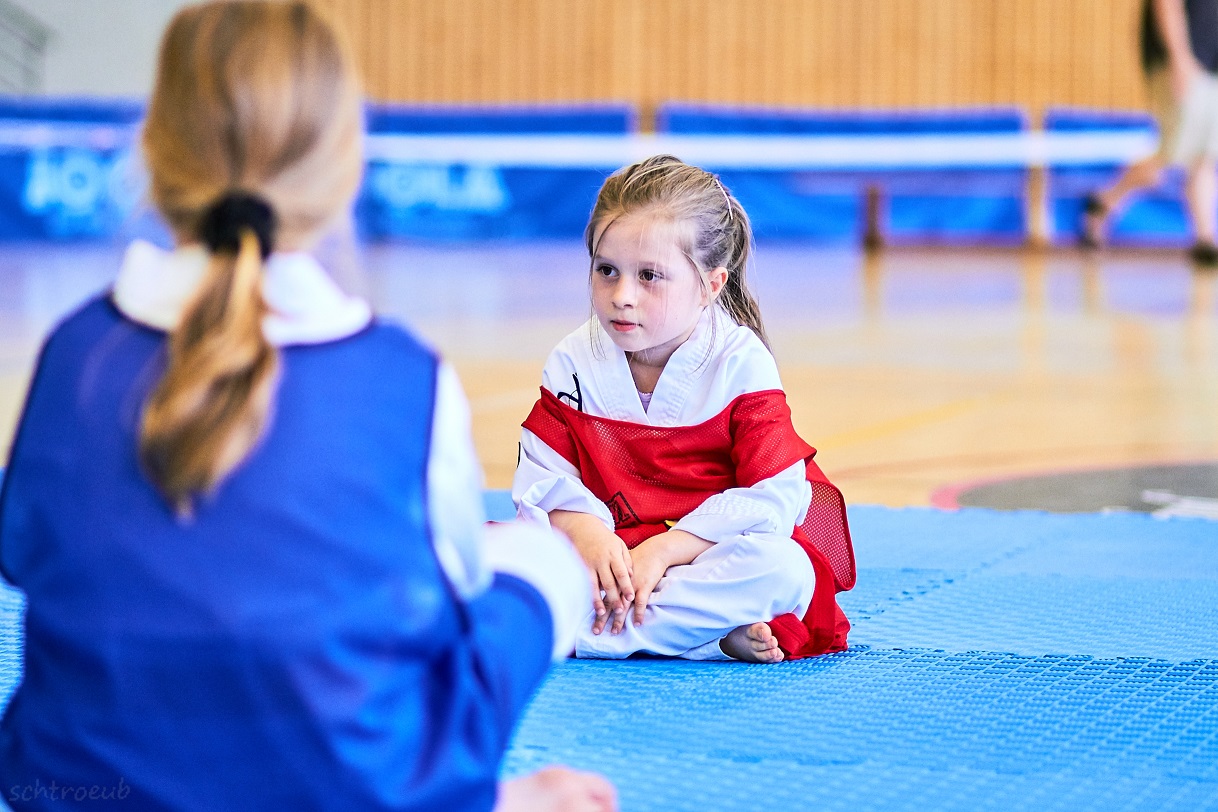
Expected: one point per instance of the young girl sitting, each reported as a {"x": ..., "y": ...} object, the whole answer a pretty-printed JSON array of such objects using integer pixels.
[
  {"x": 245, "y": 513},
  {"x": 662, "y": 444}
]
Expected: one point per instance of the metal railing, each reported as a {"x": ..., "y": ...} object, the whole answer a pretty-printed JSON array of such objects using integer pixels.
[{"x": 23, "y": 44}]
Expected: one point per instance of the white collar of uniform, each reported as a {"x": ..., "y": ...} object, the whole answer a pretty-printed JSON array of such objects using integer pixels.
[
  {"x": 688, "y": 363},
  {"x": 305, "y": 305},
  {"x": 712, "y": 325}
]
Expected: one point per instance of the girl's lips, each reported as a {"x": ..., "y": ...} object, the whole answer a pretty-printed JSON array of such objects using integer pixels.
[{"x": 623, "y": 326}]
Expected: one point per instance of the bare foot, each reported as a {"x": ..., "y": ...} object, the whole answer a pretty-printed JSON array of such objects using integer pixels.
[
  {"x": 557, "y": 789},
  {"x": 755, "y": 643}
]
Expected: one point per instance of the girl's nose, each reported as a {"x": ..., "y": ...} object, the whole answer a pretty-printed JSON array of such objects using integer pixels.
[{"x": 624, "y": 292}]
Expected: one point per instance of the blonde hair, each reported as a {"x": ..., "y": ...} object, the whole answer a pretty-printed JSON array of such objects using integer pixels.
[
  {"x": 718, "y": 230},
  {"x": 255, "y": 101}
]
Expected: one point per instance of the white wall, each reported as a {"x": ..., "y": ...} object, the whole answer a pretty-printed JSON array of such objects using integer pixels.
[{"x": 101, "y": 47}]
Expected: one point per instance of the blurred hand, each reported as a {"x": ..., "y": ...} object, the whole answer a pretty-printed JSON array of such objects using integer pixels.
[{"x": 557, "y": 789}]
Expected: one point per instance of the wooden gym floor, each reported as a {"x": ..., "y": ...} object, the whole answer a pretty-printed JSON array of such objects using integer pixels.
[{"x": 911, "y": 369}]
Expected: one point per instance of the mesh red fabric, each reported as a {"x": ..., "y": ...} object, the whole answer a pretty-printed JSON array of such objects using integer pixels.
[
  {"x": 648, "y": 475},
  {"x": 826, "y": 527}
]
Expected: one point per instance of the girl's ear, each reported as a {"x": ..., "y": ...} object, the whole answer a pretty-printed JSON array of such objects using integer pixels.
[{"x": 715, "y": 280}]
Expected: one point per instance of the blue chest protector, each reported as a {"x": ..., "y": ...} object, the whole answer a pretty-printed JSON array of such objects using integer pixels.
[{"x": 293, "y": 646}]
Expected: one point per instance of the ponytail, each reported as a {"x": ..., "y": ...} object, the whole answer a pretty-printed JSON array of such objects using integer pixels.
[
  {"x": 254, "y": 95},
  {"x": 735, "y": 297},
  {"x": 214, "y": 401}
]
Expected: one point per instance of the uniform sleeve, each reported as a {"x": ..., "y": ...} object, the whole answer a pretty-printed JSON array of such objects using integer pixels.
[
  {"x": 547, "y": 562},
  {"x": 473, "y": 554},
  {"x": 772, "y": 508},
  {"x": 454, "y": 490},
  {"x": 527, "y": 617},
  {"x": 544, "y": 481}
]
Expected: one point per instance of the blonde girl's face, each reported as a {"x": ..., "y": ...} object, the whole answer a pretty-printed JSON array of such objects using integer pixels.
[{"x": 646, "y": 293}]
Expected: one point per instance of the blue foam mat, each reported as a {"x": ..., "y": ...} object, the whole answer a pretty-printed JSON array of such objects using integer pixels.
[
  {"x": 1055, "y": 614},
  {"x": 886, "y": 730},
  {"x": 998, "y": 661}
]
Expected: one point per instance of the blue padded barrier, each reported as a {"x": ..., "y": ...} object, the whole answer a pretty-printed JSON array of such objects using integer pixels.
[
  {"x": 68, "y": 170},
  {"x": 82, "y": 110},
  {"x": 1083, "y": 120},
  {"x": 603, "y": 119},
  {"x": 923, "y": 204},
  {"x": 470, "y": 201},
  {"x": 446, "y": 119},
  {"x": 702, "y": 119},
  {"x": 1154, "y": 216}
]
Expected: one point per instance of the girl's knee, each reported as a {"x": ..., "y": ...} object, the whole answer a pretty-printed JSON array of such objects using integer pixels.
[
  {"x": 798, "y": 576},
  {"x": 785, "y": 568}
]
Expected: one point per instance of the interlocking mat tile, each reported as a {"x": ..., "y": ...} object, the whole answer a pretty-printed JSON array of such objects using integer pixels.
[{"x": 998, "y": 661}]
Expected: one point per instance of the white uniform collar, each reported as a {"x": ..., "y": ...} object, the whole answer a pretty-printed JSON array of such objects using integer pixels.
[
  {"x": 306, "y": 306},
  {"x": 686, "y": 365}
]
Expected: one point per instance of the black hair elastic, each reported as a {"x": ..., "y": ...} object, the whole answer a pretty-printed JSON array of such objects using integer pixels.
[{"x": 223, "y": 221}]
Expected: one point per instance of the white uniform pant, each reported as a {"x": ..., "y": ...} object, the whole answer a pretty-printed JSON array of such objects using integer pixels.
[{"x": 732, "y": 584}]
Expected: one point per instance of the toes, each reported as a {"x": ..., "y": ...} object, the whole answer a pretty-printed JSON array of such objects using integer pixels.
[
  {"x": 772, "y": 655},
  {"x": 761, "y": 640},
  {"x": 753, "y": 643}
]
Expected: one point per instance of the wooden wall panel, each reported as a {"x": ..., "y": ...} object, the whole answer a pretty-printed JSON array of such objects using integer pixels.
[{"x": 819, "y": 53}]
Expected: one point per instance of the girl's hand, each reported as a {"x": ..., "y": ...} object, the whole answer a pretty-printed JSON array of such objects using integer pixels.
[
  {"x": 650, "y": 563},
  {"x": 652, "y": 559},
  {"x": 607, "y": 559}
]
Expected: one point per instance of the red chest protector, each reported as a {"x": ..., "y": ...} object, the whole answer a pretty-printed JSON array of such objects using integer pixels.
[{"x": 650, "y": 475}]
